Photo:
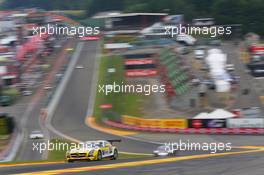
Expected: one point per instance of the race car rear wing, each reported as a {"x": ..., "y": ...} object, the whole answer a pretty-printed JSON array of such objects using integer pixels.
[{"x": 114, "y": 140}]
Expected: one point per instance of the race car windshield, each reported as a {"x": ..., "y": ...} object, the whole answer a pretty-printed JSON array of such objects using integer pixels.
[
  {"x": 162, "y": 148},
  {"x": 91, "y": 145}
]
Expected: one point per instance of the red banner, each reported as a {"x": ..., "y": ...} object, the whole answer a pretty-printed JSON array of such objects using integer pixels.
[
  {"x": 106, "y": 106},
  {"x": 141, "y": 72},
  {"x": 139, "y": 61},
  {"x": 89, "y": 38},
  {"x": 257, "y": 49}
]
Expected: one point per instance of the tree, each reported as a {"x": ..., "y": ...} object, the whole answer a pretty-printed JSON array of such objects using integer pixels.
[
  {"x": 101, "y": 5},
  {"x": 249, "y": 13}
]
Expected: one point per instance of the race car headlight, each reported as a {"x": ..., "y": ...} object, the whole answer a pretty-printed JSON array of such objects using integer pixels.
[
  {"x": 67, "y": 153},
  {"x": 91, "y": 153}
]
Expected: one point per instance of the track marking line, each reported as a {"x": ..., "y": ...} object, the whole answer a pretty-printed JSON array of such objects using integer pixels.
[
  {"x": 250, "y": 147},
  {"x": 90, "y": 121},
  {"x": 30, "y": 163},
  {"x": 130, "y": 153},
  {"x": 137, "y": 163},
  {"x": 261, "y": 99}
]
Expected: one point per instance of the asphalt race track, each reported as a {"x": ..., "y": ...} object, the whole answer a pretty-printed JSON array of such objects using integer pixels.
[
  {"x": 70, "y": 117},
  {"x": 60, "y": 165},
  {"x": 244, "y": 164}
]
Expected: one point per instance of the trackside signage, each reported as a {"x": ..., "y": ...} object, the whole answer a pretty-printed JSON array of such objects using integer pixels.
[
  {"x": 155, "y": 123},
  {"x": 253, "y": 112},
  {"x": 141, "y": 72},
  {"x": 207, "y": 123},
  {"x": 139, "y": 61},
  {"x": 245, "y": 123}
]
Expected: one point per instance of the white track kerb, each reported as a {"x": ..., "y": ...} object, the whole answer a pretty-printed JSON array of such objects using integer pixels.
[{"x": 90, "y": 107}]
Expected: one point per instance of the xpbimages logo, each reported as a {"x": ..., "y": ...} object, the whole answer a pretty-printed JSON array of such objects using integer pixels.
[
  {"x": 187, "y": 145},
  {"x": 54, "y": 29},
  {"x": 130, "y": 88},
  {"x": 58, "y": 145},
  {"x": 212, "y": 31}
]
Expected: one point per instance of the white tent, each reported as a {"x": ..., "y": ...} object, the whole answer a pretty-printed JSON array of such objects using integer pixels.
[
  {"x": 224, "y": 76},
  {"x": 214, "y": 51},
  {"x": 216, "y": 114},
  {"x": 202, "y": 115},
  {"x": 217, "y": 72},
  {"x": 221, "y": 114},
  {"x": 216, "y": 58}
]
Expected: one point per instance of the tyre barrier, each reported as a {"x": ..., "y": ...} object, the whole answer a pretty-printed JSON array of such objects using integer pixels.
[{"x": 223, "y": 131}]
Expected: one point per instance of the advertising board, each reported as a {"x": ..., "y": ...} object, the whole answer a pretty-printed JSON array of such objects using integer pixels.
[
  {"x": 245, "y": 123},
  {"x": 207, "y": 123}
]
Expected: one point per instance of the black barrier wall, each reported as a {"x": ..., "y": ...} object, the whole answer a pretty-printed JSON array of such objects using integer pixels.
[{"x": 207, "y": 123}]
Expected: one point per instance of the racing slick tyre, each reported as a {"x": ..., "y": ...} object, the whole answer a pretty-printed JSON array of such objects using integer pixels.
[
  {"x": 173, "y": 153},
  {"x": 70, "y": 161},
  {"x": 114, "y": 157},
  {"x": 99, "y": 155}
]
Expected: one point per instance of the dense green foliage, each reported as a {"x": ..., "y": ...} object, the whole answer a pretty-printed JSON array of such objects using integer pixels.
[
  {"x": 47, "y": 5},
  {"x": 6, "y": 125},
  {"x": 247, "y": 12}
]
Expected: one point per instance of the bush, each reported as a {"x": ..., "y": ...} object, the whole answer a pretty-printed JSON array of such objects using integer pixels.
[
  {"x": 13, "y": 93},
  {"x": 6, "y": 125},
  {"x": 113, "y": 116}
]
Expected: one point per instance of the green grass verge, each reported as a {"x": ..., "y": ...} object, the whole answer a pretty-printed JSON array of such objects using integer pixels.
[
  {"x": 4, "y": 141},
  {"x": 13, "y": 93},
  {"x": 121, "y": 39},
  {"x": 123, "y": 103},
  {"x": 59, "y": 155}
]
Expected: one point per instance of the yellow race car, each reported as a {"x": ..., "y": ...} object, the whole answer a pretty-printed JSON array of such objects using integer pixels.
[{"x": 93, "y": 150}]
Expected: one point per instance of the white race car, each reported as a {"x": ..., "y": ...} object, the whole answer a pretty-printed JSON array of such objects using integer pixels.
[
  {"x": 36, "y": 135},
  {"x": 164, "y": 151},
  {"x": 79, "y": 67},
  {"x": 27, "y": 93}
]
